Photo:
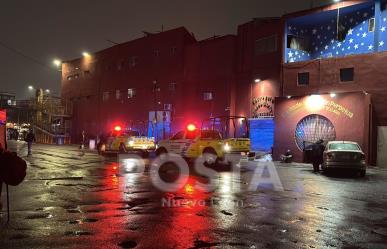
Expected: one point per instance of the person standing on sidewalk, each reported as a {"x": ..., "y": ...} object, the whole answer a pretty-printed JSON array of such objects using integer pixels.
[{"x": 30, "y": 139}]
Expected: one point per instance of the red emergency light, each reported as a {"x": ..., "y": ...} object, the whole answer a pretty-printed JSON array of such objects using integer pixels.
[
  {"x": 117, "y": 128},
  {"x": 191, "y": 127}
]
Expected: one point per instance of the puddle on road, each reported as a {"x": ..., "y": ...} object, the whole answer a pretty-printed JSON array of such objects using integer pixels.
[
  {"x": 19, "y": 237},
  {"x": 128, "y": 244},
  {"x": 82, "y": 221},
  {"x": 39, "y": 216},
  {"x": 77, "y": 233}
]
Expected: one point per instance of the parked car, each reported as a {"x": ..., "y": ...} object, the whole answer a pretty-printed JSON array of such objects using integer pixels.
[{"x": 344, "y": 155}]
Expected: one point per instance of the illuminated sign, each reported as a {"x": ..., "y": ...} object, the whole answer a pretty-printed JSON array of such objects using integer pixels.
[
  {"x": 318, "y": 103},
  {"x": 263, "y": 107}
]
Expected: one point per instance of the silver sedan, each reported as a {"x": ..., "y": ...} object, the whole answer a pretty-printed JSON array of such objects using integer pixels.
[{"x": 344, "y": 155}]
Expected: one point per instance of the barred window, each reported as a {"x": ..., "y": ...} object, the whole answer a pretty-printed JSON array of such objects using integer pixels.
[
  {"x": 131, "y": 93},
  {"x": 208, "y": 96}
]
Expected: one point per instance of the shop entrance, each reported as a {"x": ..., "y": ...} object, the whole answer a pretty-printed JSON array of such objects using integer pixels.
[
  {"x": 261, "y": 134},
  {"x": 382, "y": 146}
]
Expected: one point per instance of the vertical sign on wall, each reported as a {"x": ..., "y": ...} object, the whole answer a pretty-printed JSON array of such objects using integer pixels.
[{"x": 3, "y": 118}]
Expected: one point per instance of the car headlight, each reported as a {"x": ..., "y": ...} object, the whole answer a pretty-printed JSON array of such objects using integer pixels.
[
  {"x": 131, "y": 143},
  {"x": 227, "y": 147}
]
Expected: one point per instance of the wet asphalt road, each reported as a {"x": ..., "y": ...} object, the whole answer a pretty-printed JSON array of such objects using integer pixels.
[{"x": 81, "y": 200}]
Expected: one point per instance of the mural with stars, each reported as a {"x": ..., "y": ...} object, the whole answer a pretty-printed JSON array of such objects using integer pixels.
[{"x": 337, "y": 33}]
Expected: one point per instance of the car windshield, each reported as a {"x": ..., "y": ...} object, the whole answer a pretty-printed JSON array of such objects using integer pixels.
[
  {"x": 208, "y": 134},
  {"x": 344, "y": 146}
]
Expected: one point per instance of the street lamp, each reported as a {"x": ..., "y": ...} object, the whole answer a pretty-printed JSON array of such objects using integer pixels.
[
  {"x": 85, "y": 54},
  {"x": 47, "y": 91},
  {"x": 57, "y": 62},
  {"x": 30, "y": 88},
  {"x": 257, "y": 80}
]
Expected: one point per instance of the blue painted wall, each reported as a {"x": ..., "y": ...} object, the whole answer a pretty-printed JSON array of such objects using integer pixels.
[
  {"x": 321, "y": 31},
  {"x": 382, "y": 42},
  {"x": 261, "y": 134}
]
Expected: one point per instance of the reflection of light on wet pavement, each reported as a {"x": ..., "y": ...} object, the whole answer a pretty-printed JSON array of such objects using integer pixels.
[
  {"x": 225, "y": 184},
  {"x": 189, "y": 189}
]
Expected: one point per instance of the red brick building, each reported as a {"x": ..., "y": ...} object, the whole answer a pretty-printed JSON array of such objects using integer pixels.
[
  {"x": 187, "y": 80},
  {"x": 333, "y": 67}
]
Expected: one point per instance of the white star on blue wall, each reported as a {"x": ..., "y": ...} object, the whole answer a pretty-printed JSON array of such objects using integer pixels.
[{"x": 324, "y": 40}]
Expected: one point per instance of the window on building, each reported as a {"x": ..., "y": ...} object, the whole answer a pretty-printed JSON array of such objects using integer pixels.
[
  {"x": 298, "y": 43},
  {"x": 131, "y": 93},
  {"x": 371, "y": 25},
  {"x": 167, "y": 107},
  {"x": 133, "y": 61},
  {"x": 266, "y": 45},
  {"x": 303, "y": 79},
  {"x": 173, "y": 50},
  {"x": 347, "y": 74},
  {"x": 105, "y": 96},
  {"x": 208, "y": 96},
  {"x": 118, "y": 94},
  {"x": 69, "y": 77},
  {"x": 76, "y": 76},
  {"x": 156, "y": 52},
  {"x": 172, "y": 86}
]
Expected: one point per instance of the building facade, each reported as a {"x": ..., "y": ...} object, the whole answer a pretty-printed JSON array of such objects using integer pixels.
[
  {"x": 161, "y": 81},
  {"x": 307, "y": 75},
  {"x": 334, "y": 80}
]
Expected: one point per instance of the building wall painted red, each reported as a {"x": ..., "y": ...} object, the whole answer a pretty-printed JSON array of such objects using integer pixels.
[
  {"x": 251, "y": 65},
  {"x": 369, "y": 76},
  {"x": 170, "y": 67},
  {"x": 353, "y": 127}
]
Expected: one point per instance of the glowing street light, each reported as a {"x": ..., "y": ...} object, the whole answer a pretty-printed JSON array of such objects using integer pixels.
[
  {"x": 257, "y": 80},
  {"x": 85, "y": 54},
  {"x": 30, "y": 88},
  {"x": 333, "y": 95},
  {"x": 57, "y": 62},
  {"x": 47, "y": 91}
]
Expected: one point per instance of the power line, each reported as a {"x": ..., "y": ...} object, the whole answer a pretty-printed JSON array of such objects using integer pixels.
[{"x": 18, "y": 52}]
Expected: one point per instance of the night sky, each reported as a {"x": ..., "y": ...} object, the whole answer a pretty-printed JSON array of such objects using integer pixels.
[{"x": 33, "y": 33}]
